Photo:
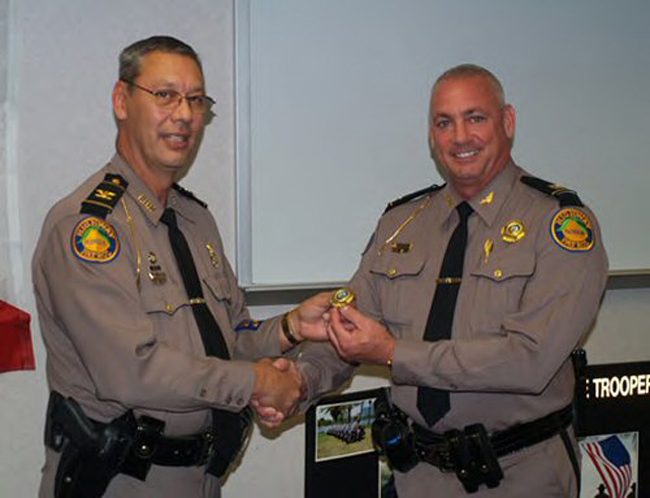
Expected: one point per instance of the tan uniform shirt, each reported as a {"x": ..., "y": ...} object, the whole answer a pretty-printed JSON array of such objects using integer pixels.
[
  {"x": 121, "y": 334},
  {"x": 522, "y": 307}
]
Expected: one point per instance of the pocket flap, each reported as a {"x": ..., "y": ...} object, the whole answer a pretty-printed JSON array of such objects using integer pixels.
[
  {"x": 166, "y": 299},
  {"x": 398, "y": 265},
  {"x": 218, "y": 285},
  {"x": 499, "y": 269}
]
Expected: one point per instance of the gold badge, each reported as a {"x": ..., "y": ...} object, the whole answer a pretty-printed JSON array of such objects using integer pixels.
[
  {"x": 513, "y": 231},
  {"x": 401, "y": 247},
  {"x": 214, "y": 259},
  {"x": 95, "y": 240},
  {"x": 573, "y": 230},
  {"x": 342, "y": 297},
  {"x": 155, "y": 273}
]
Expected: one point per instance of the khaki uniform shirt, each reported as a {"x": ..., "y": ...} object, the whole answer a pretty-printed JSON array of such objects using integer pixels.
[
  {"x": 121, "y": 334},
  {"x": 523, "y": 306}
]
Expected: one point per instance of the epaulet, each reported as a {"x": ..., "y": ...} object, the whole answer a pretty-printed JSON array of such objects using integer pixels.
[
  {"x": 186, "y": 193},
  {"x": 103, "y": 199},
  {"x": 565, "y": 196},
  {"x": 413, "y": 195}
]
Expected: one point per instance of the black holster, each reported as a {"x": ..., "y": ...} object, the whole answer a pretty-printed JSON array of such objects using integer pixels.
[
  {"x": 231, "y": 442},
  {"x": 468, "y": 453},
  {"x": 90, "y": 456}
]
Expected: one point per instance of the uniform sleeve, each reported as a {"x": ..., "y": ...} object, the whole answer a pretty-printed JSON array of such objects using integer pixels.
[
  {"x": 94, "y": 314},
  {"x": 322, "y": 369},
  {"x": 557, "y": 306},
  {"x": 254, "y": 340},
  {"x": 321, "y": 366}
]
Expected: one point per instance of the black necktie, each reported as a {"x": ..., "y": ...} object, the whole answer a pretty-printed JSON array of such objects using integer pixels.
[
  {"x": 211, "y": 334},
  {"x": 434, "y": 403},
  {"x": 230, "y": 427}
]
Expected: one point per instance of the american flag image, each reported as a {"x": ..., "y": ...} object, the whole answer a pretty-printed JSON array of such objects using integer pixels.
[{"x": 612, "y": 461}]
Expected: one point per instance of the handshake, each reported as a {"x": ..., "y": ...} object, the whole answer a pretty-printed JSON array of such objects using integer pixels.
[{"x": 327, "y": 316}]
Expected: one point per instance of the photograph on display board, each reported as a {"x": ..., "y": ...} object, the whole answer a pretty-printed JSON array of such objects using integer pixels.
[
  {"x": 610, "y": 465},
  {"x": 386, "y": 480},
  {"x": 343, "y": 429}
]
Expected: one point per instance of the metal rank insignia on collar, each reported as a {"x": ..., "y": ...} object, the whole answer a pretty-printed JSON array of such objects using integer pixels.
[
  {"x": 488, "y": 199},
  {"x": 146, "y": 202},
  {"x": 214, "y": 259},
  {"x": 513, "y": 231},
  {"x": 155, "y": 273}
]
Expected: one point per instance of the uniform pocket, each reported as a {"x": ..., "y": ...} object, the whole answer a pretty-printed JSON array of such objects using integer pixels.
[
  {"x": 497, "y": 289},
  {"x": 164, "y": 299},
  {"x": 398, "y": 280},
  {"x": 503, "y": 269},
  {"x": 394, "y": 266},
  {"x": 218, "y": 285}
]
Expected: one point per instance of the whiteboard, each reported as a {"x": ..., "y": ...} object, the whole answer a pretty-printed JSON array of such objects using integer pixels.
[{"x": 332, "y": 101}]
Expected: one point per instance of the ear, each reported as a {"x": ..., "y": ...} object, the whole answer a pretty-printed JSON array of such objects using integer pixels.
[
  {"x": 509, "y": 121},
  {"x": 119, "y": 96},
  {"x": 432, "y": 143}
]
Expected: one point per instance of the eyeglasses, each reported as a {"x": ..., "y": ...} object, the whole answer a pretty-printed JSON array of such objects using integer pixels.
[{"x": 169, "y": 100}]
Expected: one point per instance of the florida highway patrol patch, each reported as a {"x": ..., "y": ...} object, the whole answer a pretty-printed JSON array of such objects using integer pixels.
[
  {"x": 573, "y": 230},
  {"x": 95, "y": 240}
]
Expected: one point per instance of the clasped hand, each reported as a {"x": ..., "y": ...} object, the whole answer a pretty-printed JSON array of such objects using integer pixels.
[
  {"x": 355, "y": 336},
  {"x": 277, "y": 390}
]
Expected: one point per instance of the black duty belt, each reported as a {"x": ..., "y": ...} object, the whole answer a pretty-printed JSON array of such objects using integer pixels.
[
  {"x": 146, "y": 443},
  {"x": 436, "y": 449}
]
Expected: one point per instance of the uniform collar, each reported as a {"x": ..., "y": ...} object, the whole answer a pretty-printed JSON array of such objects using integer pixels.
[
  {"x": 142, "y": 195},
  {"x": 488, "y": 202}
]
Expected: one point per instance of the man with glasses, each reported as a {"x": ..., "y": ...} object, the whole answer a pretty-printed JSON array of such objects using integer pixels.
[{"x": 152, "y": 357}]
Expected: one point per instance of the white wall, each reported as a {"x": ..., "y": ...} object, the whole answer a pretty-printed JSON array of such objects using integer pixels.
[{"x": 62, "y": 62}]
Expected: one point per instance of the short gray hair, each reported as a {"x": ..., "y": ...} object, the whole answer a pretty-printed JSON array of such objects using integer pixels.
[
  {"x": 471, "y": 71},
  {"x": 131, "y": 56}
]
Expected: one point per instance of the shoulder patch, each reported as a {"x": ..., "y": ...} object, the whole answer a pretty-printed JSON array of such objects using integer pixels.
[
  {"x": 573, "y": 230},
  {"x": 565, "y": 196},
  {"x": 105, "y": 197},
  {"x": 413, "y": 195},
  {"x": 95, "y": 240},
  {"x": 186, "y": 193},
  {"x": 248, "y": 325}
]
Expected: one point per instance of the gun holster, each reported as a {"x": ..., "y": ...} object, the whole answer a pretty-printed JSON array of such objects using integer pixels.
[
  {"x": 392, "y": 434},
  {"x": 90, "y": 456}
]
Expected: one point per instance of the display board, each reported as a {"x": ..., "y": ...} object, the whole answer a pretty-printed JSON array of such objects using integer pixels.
[
  {"x": 612, "y": 403},
  {"x": 611, "y": 422},
  {"x": 332, "y": 102}
]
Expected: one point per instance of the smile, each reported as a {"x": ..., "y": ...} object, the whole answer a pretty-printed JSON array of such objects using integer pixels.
[{"x": 465, "y": 155}]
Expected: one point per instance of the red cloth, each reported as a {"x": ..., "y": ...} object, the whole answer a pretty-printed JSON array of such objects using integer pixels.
[{"x": 16, "y": 351}]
